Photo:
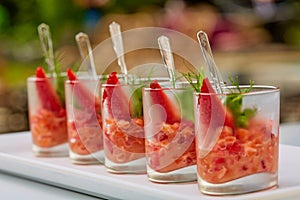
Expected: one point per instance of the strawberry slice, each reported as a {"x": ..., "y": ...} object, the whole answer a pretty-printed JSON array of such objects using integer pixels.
[
  {"x": 159, "y": 97},
  {"x": 112, "y": 80},
  {"x": 85, "y": 98},
  {"x": 115, "y": 99},
  {"x": 209, "y": 102},
  {"x": 46, "y": 93}
]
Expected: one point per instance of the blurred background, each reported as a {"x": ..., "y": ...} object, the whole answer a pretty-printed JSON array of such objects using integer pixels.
[{"x": 254, "y": 39}]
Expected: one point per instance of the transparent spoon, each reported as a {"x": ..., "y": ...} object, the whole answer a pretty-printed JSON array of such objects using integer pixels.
[
  {"x": 47, "y": 47},
  {"x": 166, "y": 54},
  {"x": 208, "y": 57},
  {"x": 85, "y": 50},
  {"x": 213, "y": 131},
  {"x": 115, "y": 32}
]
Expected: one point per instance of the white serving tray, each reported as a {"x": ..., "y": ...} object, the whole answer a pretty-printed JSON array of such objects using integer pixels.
[{"x": 16, "y": 158}]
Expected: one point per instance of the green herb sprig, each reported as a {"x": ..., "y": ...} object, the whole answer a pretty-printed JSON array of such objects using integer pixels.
[
  {"x": 136, "y": 101},
  {"x": 60, "y": 81},
  {"x": 234, "y": 102},
  {"x": 195, "y": 79},
  {"x": 50, "y": 59}
]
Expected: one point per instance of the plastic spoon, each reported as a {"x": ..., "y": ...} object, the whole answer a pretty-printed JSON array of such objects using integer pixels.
[
  {"x": 208, "y": 57},
  {"x": 115, "y": 32},
  {"x": 85, "y": 50},
  {"x": 47, "y": 47},
  {"x": 166, "y": 54},
  {"x": 213, "y": 132}
]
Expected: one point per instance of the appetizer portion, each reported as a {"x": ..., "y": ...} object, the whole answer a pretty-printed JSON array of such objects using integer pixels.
[
  {"x": 234, "y": 140},
  {"x": 170, "y": 143},
  {"x": 123, "y": 124},
  {"x": 48, "y": 115},
  {"x": 84, "y": 116}
]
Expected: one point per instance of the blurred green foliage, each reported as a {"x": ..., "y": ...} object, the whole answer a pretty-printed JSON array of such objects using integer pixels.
[
  {"x": 23, "y": 17},
  {"x": 20, "y": 46}
]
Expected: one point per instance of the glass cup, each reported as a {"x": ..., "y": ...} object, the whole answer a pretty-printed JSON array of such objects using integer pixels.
[
  {"x": 170, "y": 133},
  {"x": 123, "y": 127},
  {"x": 237, "y": 140},
  {"x": 84, "y": 121},
  {"x": 123, "y": 124},
  {"x": 47, "y": 117}
]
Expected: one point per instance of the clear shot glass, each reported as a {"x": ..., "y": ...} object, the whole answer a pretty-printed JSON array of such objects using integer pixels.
[
  {"x": 170, "y": 133},
  {"x": 237, "y": 140},
  {"x": 47, "y": 117},
  {"x": 123, "y": 127},
  {"x": 84, "y": 121}
]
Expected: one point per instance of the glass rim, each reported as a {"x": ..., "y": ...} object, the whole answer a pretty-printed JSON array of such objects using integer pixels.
[
  {"x": 82, "y": 81},
  {"x": 34, "y": 78},
  {"x": 262, "y": 89},
  {"x": 144, "y": 80},
  {"x": 80, "y": 75},
  {"x": 178, "y": 83}
]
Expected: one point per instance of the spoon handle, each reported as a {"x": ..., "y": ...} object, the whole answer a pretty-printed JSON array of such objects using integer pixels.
[
  {"x": 115, "y": 32},
  {"x": 166, "y": 54},
  {"x": 47, "y": 47},
  {"x": 85, "y": 50},
  {"x": 208, "y": 56}
]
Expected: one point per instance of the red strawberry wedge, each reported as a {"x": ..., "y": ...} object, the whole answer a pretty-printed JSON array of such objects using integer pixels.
[
  {"x": 115, "y": 99},
  {"x": 159, "y": 97},
  {"x": 85, "y": 98},
  {"x": 211, "y": 103},
  {"x": 48, "y": 97}
]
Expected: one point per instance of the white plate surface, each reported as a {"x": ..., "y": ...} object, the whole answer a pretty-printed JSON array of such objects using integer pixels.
[
  {"x": 16, "y": 158},
  {"x": 290, "y": 133}
]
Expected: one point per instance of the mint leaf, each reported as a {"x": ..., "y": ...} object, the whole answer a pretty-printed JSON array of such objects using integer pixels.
[
  {"x": 136, "y": 103},
  {"x": 234, "y": 103}
]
